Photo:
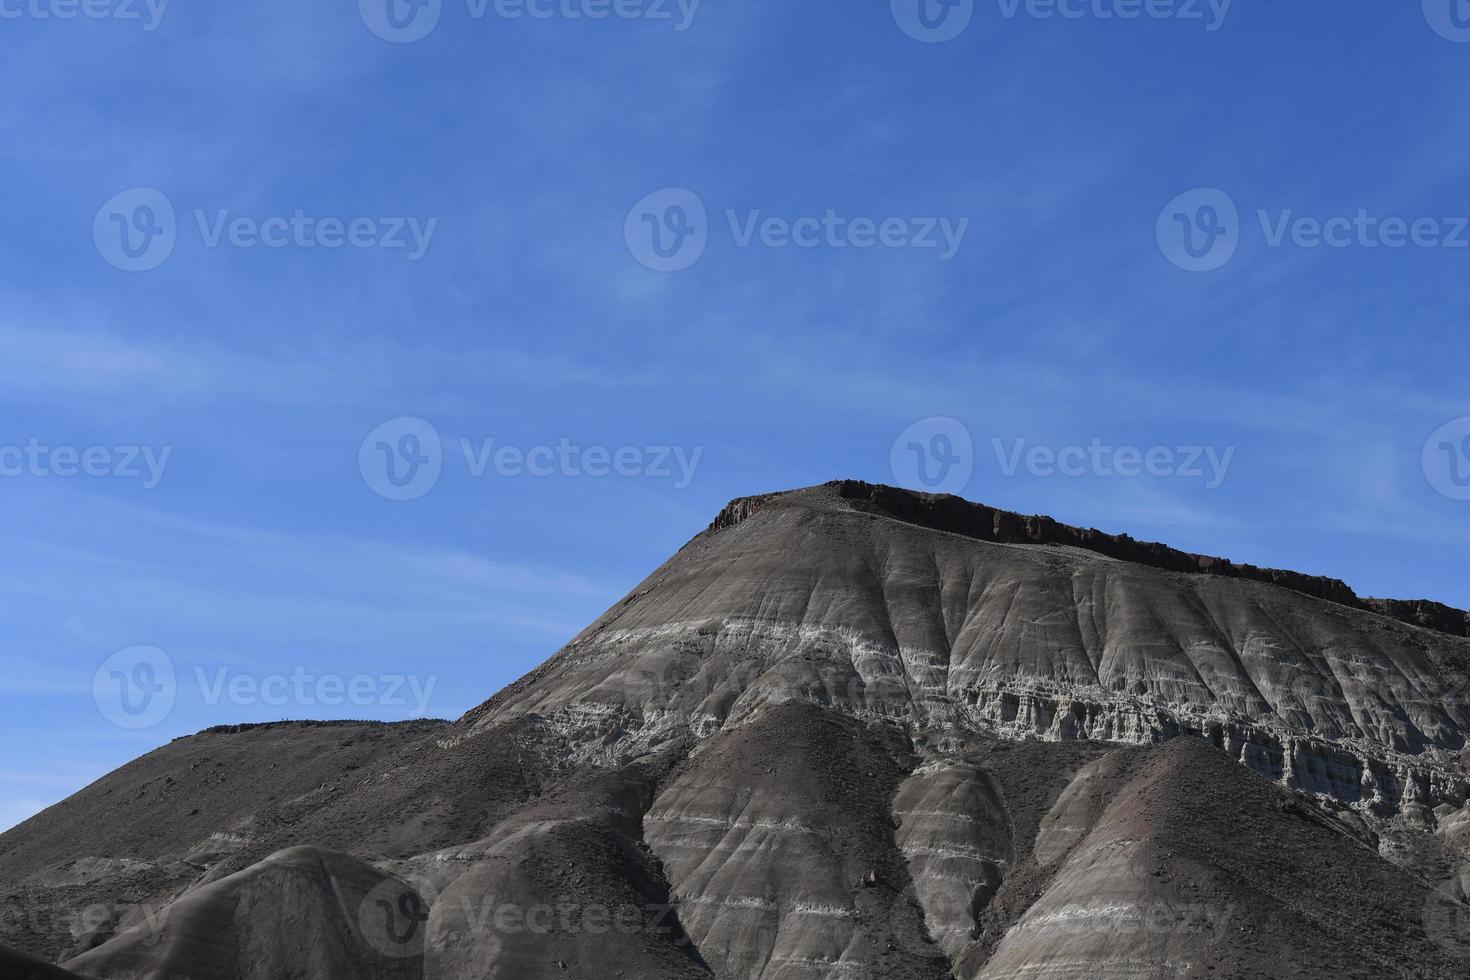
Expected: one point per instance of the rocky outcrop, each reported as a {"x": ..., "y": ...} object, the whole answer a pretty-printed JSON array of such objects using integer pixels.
[
  {"x": 1422, "y": 612},
  {"x": 1354, "y": 772},
  {"x": 955, "y": 515}
]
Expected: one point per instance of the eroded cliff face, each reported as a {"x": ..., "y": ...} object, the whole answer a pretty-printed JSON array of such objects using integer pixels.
[
  {"x": 953, "y": 829},
  {"x": 824, "y": 596},
  {"x": 779, "y": 839}
]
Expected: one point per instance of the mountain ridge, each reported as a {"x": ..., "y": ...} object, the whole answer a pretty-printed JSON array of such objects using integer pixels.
[
  {"x": 930, "y": 610},
  {"x": 957, "y": 515},
  {"x": 825, "y": 741}
]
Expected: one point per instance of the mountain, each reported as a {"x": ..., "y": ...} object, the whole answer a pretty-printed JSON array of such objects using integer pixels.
[{"x": 848, "y": 731}]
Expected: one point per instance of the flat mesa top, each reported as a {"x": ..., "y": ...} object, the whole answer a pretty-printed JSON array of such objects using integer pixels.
[{"x": 956, "y": 515}]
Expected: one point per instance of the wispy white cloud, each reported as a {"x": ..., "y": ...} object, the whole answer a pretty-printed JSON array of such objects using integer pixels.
[
  {"x": 62, "y": 361},
  {"x": 241, "y": 595},
  {"x": 58, "y": 363},
  {"x": 450, "y": 578}
]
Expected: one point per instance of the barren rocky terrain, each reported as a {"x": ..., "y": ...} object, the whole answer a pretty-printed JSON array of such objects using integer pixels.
[{"x": 846, "y": 732}]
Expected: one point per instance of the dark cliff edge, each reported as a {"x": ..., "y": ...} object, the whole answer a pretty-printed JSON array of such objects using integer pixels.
[
  {"x": 955, "y": 515},
  {"x": 411, "y": 724}
]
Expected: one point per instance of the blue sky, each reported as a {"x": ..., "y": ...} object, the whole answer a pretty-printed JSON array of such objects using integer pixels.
[{"x": 1327, "y": 381}]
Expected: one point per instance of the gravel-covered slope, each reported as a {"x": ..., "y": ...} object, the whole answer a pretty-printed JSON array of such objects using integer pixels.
[
  {"x": 119, "y": 851},
  {"x": 304, "y": 911}
]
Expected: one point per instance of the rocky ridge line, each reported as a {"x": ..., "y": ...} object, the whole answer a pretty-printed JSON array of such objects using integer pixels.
[{"x": 955, "y": 515}]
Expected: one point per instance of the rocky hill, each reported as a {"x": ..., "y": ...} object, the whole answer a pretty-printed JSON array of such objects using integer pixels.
[{"x": 848, "y": 732}]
